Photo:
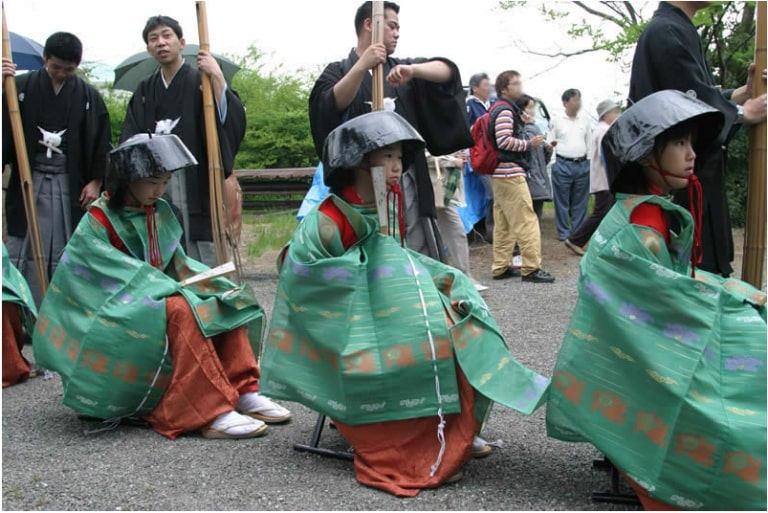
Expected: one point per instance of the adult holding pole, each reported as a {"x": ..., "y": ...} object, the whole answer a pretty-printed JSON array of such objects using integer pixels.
[
  {"x": 669, "y": 55},
  {"x": 22, "y": 163},
  {"x": 754, "y": 243},
  {"x": 427, "y": 92},
  {"x": 170, "y": 100},
  {"x": 60, "y": 131}
]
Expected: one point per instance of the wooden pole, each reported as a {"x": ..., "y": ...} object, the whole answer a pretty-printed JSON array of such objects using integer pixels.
[
  {"x": 753, "y": 267},
  {"x": 222, "y": 238},
  {"x": 377, "y": 104},
  {"x": 22, "y": 165},
  {"x": 377, "y": 36}
]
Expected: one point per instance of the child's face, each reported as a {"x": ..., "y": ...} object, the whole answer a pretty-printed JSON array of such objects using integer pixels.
[
  {"x": 677, "y": 161},
  {"x": 391, "y": 159},
  {"x": 147, "y": 191}
]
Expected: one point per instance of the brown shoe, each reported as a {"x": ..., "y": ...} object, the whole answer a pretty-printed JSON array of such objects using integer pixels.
[{"x": 573, "y": 247}]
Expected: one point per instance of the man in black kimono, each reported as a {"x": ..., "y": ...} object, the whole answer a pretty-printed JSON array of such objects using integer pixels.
[
  {"x": 669, "y": 55},
  {"x": 67, "y": 135},
  {"x": 426, "y": 92},
  {"x": 170, "y": 101}
]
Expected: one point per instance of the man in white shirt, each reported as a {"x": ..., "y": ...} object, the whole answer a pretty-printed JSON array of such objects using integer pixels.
[
  {"x": 608, "y": 111},
  {"x": 570, "y": 174}
]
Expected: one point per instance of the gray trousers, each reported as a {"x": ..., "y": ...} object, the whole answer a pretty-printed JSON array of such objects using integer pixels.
[
  {"x": 422, "y": 232},
  {"x": 454, "y": 240},
  {"x": 50, "y": 183},
  {"x": 200, "y": 250}
]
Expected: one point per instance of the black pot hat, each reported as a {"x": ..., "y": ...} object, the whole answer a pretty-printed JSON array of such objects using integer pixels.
[
  {"x": 633, "y": 135},
  {"x": 346, "y": 145},
  {"x": 146, "y": 156}
]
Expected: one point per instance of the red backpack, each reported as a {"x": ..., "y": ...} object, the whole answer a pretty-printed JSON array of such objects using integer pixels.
[{"x": 482, "y": 155}]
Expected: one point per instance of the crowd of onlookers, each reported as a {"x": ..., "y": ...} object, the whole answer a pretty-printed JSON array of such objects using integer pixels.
[{"x": 540, "y": 158}]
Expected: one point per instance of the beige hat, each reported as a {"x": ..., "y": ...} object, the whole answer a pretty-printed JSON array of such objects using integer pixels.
[{"x": 606, "y": 106}]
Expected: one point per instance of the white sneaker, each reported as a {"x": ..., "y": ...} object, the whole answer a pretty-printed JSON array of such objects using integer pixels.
[
  {"x": 480, "y": 287},
  {"x": 480, "y": 448},
  {"x": 259, "y": 407},
  {"x": 233, "y": 425}
]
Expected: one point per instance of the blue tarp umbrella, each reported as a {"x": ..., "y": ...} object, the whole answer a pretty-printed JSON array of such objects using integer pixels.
[{"x": 26, "y": 53}]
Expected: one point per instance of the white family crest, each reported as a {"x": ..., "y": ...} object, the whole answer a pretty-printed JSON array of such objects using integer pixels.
[
  {"x": 51, "y": 140},
  {"x": 389, "y": 104},
  {"x": 166, "y": 126}
]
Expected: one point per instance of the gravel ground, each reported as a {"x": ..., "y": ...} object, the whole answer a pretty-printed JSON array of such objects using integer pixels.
[{"x": 48, "y": 463}]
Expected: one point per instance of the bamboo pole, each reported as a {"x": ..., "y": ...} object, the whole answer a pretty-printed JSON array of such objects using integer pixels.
[
  {"x": 377, "y": 104},
  {"x": 22, "y": 165},
  {"x": 377, "y": 37},
  {"x": 223, "y": 240},
  {"x": 753, "y": 268}
]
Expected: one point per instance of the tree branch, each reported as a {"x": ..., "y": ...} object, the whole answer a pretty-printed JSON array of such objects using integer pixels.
[
  {"x": 632, "y": 12},
  {"x": 565, "y": 54},
  {"x": 600, "y": 14},
  {"x": 612, "y": 6}
]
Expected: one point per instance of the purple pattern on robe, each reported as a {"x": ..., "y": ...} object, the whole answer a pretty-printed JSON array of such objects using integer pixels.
[
  {"x": 383, "y": 271},
  {"x": 300, "y": 269},
  {"x": 710, "y": 354},
  {"x": 64, "y": 258},
  {"x": 82, "y": 271},
  {"x": 634, "y": 313},
  {"x": 597, "y": 292},
  {"x": 409, "y": 270},
  {"x": 682, "y": 334},
  {"x": 745, "y": 363},
  {"x": 109, "y": 284},
  {"x": 126, "y": 298},
  {"x": 337, "y": 274}
]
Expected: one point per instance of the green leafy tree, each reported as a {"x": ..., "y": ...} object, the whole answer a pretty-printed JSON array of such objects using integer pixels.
[{"x": 276, "y": 102}]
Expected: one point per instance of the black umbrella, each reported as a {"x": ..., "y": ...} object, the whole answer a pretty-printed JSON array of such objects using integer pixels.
[{"x": 139, "y": 66}]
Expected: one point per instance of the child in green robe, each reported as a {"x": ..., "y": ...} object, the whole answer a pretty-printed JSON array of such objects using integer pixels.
[
  {"x": 663, "y": 365},
  {"x": 399, "y": 349},
  {"x": 129, "y": 336}
]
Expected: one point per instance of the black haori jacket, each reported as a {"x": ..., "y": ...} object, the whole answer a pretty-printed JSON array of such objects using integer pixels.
[
  {"x": 88, "y": 141},
  {"x": 437, "y": 111}
]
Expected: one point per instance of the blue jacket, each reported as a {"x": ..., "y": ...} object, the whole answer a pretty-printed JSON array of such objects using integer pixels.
[{"x": 475, "y": 109}]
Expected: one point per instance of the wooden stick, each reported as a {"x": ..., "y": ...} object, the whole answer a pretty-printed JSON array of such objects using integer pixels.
[
  {"x": 754, "y": 237},
  {"x": 22, "y": 165},
  {"x": 377, "y": 36},
  {"x": 222, "y": 239}
]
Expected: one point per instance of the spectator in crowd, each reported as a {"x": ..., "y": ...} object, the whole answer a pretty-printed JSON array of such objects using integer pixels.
[
  {"x": 570, "y": 174},
  {"x": 538, "y": 178},
  {"x": 608, "y": 111},
  {"x": 445, "y": 172},
  {"x": 514, "y": 218},
  {"x": 480, "y": 207}
]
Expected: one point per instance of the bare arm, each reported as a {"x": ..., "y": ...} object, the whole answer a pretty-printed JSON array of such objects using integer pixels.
[{"x": 345, "y": 89}]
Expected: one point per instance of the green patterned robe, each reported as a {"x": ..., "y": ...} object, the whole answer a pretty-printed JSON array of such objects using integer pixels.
[
  {"x": 102, "y": 324},
  {"x": 349, "y": 335},
  {"x": 16, "y": 290},
  {"x": 664, "y": 373}
]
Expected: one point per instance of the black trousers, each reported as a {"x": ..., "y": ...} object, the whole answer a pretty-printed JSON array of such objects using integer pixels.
[{"x": 604, "y": 200}]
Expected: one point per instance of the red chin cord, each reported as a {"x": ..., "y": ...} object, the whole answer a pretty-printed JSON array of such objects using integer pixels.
[
  {"x": 695, "y": 199},
  {"x": 395, "y": 195},
  {"x": 155, "y": 260}
]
